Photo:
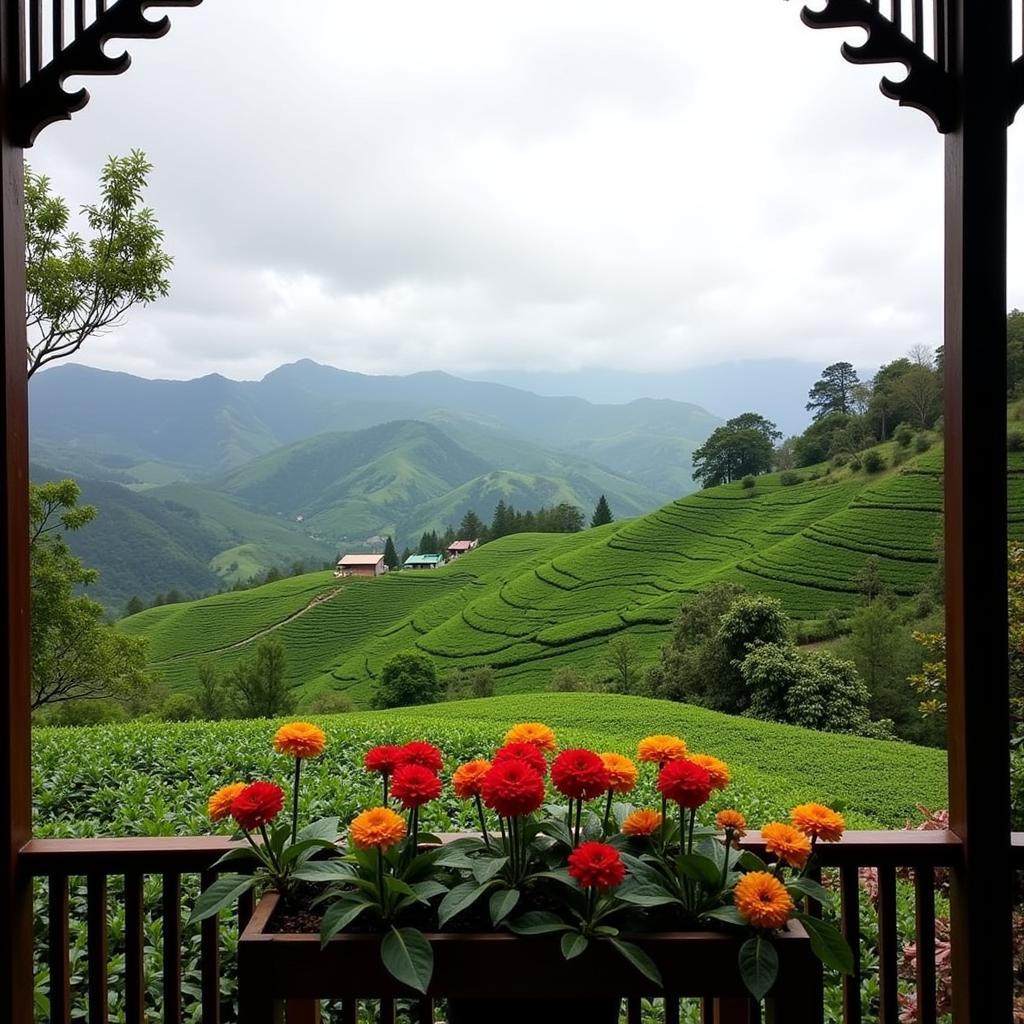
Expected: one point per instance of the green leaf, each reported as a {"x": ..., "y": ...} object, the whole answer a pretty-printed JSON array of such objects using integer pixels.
[
  {"x": 397, "y": 887},
  {"x": 573, "y": 944},
  {"x": 560, "y": 875},
  {"x": 464, "y": 895},
  {"x": 408, "y": 957},
  {"x": 537, "y": 922},
  {"x": 647, "y": 896},
  {"x": 730, "y": 915},
  {"x": 239, "y": 853},
  {"x": 700, "y": 869},
  {"x": 639, "y": 959},
  {"x": 300, "y": 851},
  {"x": 324, "y": 828},
  {"x": 324, "y": 871},
  {"x": 759, "y": 966},
  {"x": 485, "y": 869},
  {"x": 219, "y": 894},
  {"x": 428, "y": 889},
  {"x": 339, "y": 915},
  {"x": 828, "y": 944},
  {"x": 502, "y": 904},
  {"x": 751, "y": 862},
  {"x": 808, "y": 887},
  {"x": 557, "y": 830}
]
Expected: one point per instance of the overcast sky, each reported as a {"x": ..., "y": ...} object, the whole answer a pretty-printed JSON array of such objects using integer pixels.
[{"x": 649, "y": 185}]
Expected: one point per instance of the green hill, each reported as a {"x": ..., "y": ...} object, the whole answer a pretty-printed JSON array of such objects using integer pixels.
[
  {"x": 529, "y": 604},
  {"x": 165, "y": 773}
]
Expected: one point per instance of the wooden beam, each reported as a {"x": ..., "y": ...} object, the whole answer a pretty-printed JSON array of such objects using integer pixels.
[
  {"x": 16, "y": 1004},
  {"x": 978, "y": 40}
]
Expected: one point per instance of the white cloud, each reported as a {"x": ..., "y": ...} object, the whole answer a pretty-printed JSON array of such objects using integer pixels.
[{"x": 473, "y": 187}]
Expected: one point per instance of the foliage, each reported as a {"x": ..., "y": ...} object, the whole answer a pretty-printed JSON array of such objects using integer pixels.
[
  {"x": 211, "y": 699},
  {"x": 75, "y": 655},
  {"x": 745, "y": 445},
  {"x": 407, "y": 679},
  {"x": 624, "y": 665},
  {"x": 874, "y": 461},
  {"x": 822, "y": 439},
  {"x": 834, "y": 391},
  {"x": 257, "y": 685},
  {"x": 468, "y": 683},
  {"x": 77, "y": 287},
  {"x": 390, "y": 555},
  {"x": 789, "y": 478},
  {"x": 602, "y": 513}
]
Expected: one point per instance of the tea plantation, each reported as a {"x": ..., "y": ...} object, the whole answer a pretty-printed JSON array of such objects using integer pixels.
[{"x": 529, "y": 604}]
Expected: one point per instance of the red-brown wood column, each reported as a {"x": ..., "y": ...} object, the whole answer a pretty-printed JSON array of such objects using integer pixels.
[
  {"x": 15, "y": 774},
  {"x": 975, "y": 495}
]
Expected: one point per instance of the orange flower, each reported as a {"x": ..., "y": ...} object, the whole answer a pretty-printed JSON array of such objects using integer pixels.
[
  {"x": 786, "y": 843},
  {"x": 660, "y": 749},
  {"x": 622, "y": 772},
  {"x": 762, "y": 899},
  {"x": 641, "y": 823},
  {"x": 818, "y": 822},
  {"x": 718, "y": 770},
  {"x": 219, "y": 805},
  {"x": 468, "y": 777},
  {"x": 299, "y": 740},
  {"x": 732, "y": 821},
  {"x": 377, "y": 828},
  {"x": 540, "y": 735}
]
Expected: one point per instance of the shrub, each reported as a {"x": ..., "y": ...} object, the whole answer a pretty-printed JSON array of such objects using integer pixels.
[
  {"x": 179, "y": 707},
  {"x": 839, "y": 460},
  {"x": 789, "y": 478},
  {"x": 874, "y": 461},
  {"x": 84, "y": 712},
  {"x": 747, "y": 482},
  {"x": 1015, "y": 440},
  {"x": 900, "y": 455},
  {"x": 328, "y": 703},
  {"x": 922, "y": 443},
  {"x": 408, "y": 679},
  {"x": 855, "y": 464},
  {"x": 903, "y": 435},
  {"x": 569, "y": 680},
  {"x": 473, "y": 682}
]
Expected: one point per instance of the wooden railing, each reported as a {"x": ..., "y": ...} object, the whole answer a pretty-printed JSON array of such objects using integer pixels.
[{"x": 889, "y": 854}]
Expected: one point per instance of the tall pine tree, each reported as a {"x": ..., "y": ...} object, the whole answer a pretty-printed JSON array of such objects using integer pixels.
[
  {"x": 390, "y": 554},
  {"x": 602, "y": 513}
]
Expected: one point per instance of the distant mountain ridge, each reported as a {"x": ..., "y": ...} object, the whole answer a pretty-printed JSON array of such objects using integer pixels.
[{"x": 211, "y": 425}]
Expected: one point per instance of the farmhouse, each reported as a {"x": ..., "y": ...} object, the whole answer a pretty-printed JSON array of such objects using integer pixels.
[
  {"x": 361, "y": 565},
  {"x": 423, "y": 562},
  {"x": 460, "y": 547}
]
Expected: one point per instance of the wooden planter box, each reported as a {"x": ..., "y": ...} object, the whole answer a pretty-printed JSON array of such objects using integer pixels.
[{"x": 274, "y": 968}]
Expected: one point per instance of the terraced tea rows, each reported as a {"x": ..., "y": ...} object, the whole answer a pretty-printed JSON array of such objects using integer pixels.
[{"x": 530, "y": 604}]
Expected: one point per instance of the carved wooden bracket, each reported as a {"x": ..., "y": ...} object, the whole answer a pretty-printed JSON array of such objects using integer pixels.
[
  {"x": 1016, "y": 89},
  {"x": 43, "y": 98},
  {"x": 927, "y": 87}
]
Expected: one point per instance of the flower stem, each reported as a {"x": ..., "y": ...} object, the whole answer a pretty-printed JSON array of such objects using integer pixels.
[
  {"x": 295, "y": 798},
  {"x": 501, "y": 825},
  {"x": 607, "y": 811},
  {"x": 385, "y": 776},
  {"x": 689, "y": 838},
  {"x": 270, "y": 852},
  {"x": 579, "y": 818},
  {"x": 483, "y": 821},
  {"x": 664, "y": 821},
  {"x": 381, "y": 890}
]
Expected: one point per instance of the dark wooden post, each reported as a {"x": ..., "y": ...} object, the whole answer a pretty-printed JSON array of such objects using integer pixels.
[
  {"x": 16, "y": 1004},
  {"x": 978, "y": 37}
]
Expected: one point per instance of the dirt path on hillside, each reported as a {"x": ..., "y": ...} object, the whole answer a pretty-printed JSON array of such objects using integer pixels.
[{"x": 318, "y": 600}]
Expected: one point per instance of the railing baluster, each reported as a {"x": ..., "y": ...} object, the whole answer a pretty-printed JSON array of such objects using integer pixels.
[
  {"x": 134, "y": 940},
  {"x": 919, "y": 22},
  {"x": 671, "y": 1010},
  {"x": 35, "y": 36},
  {"x": 849, "y": 899},
  {"x": 940, "y": 34},
  {"x": 425, "y": 1011},
  {"x": 171, "y": 914},
  {"x": 60, "y": 969},
  {"x": 96, "y": 928},
  {"x": 349, "y": 1011},
  {"x": 387, "y": 1011},
  {"x": 209, "y": 959},
  {"x": 79, "y": 17},
  {"x": 633, "y": 1015},
  {"x": 897, "y": 14},
  {"x": 888, "y": 947},
  {"x": 924, "y": 938},
  {"x": 246, "y": 906},
  {"x": 817, "y": 981},
  {"x": 58, "y": 26}
]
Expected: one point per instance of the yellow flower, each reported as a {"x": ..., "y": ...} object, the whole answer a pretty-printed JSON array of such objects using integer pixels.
[
  {"x": 299, "y": 739},
  {"x": 642, "y": 823},
  {"x": 661, "y": 749},
  {"x": 540, "y": 735},
  {"x": 786, "y": 843},
  {"x": 219, "y": 805},
  {"x": 819, "y": 822},
  {"x": 718, "y": 770},
  {"x": 622, "y": 772},
  {"x": 377, "y": 828},
  {"x": 762, "y": 899},
  {"x": 733, "y": 821},
  {"x": 468, "y": 778}
]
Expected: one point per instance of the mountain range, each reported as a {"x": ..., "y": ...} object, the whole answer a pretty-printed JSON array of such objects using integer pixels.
[{"x": 201, "y": 483}]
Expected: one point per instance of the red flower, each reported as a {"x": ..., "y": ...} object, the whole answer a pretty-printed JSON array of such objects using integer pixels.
[
  {"x": 579, "y": 774},
  {"x": 421, "y": 753},
  {"x": 382, "y": 759},
  {"x": 528, "y": 753},
  {"x": 257, "y": 804},
  {"x": 596, "y": 866},
  {"x": 413, "y": 785},
  {"x": 512, "y": 788},
  {"x": 684, "y": 782}
]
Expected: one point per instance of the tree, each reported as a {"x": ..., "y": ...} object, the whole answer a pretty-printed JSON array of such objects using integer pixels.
[
  {"x": 917, "y": 391},
  {"x": 567, "y": 518},
  {"x": 602, "y": 513},
  {"x": 257, "y": 685},
  {"x": 75, "y": 655},
  {"x": 407, "y": 679},
  {"x": 77, "y": 287},
  {"x": 622, "y": 660},
  {"x": 869, "y": 578},
  {"x": 472, "y": 526},
  {"x": 390, "y": 555},
  {"x": 834, "y": 391},
  {"x": 822, "y": 439},
  {"x": 730, "y": 453},
  {"x": 755, "y": 421},
  {"x": 134, "y": 605},
  {"x": 502, "y": 521},
  {"x": 1014, "y": 353},
  {"x": 210, "y": 699}
]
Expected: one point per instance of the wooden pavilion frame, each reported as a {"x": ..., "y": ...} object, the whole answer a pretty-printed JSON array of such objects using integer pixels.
[{"x": 964, "y": 77}]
